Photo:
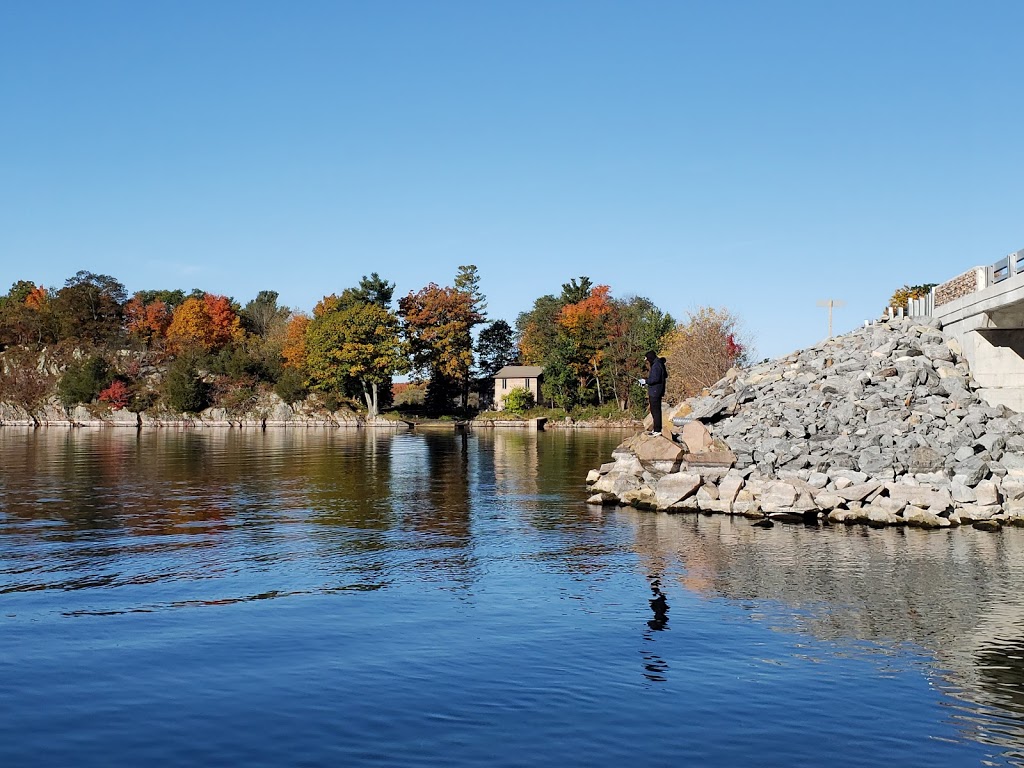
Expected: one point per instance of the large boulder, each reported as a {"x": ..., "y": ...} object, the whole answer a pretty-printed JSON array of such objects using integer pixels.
[
  {"x": 657, "y": 453},
  {"x": 671, "y": 489}
]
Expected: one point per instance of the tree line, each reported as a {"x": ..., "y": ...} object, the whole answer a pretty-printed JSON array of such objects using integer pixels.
[{"x": 89, "y": 342}]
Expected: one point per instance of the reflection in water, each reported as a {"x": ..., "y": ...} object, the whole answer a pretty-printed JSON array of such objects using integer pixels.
[
  {"x": 655, "y": 667},
  {"x": 659, "y": 604},
  {"x": 956, "y": 594},
  {"x": 246, "y": 527}
]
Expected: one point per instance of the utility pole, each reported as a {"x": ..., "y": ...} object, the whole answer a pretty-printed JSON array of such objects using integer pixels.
[{"x": 830, "y": 303}]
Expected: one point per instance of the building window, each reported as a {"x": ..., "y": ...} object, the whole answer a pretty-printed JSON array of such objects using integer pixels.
[{"x": 504, "y": 383}]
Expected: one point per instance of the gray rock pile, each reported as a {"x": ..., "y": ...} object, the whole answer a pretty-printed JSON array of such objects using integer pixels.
[{"x": 881, "y": 426}]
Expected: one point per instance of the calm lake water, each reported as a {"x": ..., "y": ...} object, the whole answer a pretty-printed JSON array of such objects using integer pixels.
[{"x": 308, "y": 598}]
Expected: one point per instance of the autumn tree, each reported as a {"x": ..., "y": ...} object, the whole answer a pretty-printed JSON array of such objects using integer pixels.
[
  {"x": 564, "y": 335},
  {"x": 294, "y": 348},
  {"x": 438, "y": 323},
  {"x": 20, "y": 291},
  {"x": 26, "y": 316},
  {"x": 206, "y": 324},
  {"x": 590, "y": 344},
  {"x": 583, "y": 336},
  {"x": 37, "y": 298},
  {"x": 701, "y": 350},
  {"x": 147, "y": 322},
  {"x": 353, "y": 344}
]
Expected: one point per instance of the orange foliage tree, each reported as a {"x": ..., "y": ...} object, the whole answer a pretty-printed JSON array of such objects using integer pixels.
[
  {"x": 208, "y": 324},
  {"x": 294, "y": 349},
  {"x": 148, "y": 322},
  {"x": 36, "y": 298},
  {"x": 583, "y": 326}
]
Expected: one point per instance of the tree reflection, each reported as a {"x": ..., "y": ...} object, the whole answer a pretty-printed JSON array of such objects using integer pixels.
[{"x": 432, "y": 491}]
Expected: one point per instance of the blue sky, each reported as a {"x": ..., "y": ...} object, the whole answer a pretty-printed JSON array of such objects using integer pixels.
[{"x": 759, "y": 156}]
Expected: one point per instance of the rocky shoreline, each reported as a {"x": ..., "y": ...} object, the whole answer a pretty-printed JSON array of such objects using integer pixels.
[
  {"x": 881, "y": 426},
  {"x": 270, "y": 411}
]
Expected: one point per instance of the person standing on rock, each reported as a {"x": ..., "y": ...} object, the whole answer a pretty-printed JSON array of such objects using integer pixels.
[{"x": 655, "y": 382}]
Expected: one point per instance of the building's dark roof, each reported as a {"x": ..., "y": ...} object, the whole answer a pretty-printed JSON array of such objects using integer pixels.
[{"x": 519, "y": 372}]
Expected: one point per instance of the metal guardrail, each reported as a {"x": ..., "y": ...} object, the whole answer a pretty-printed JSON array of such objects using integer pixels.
[{"x": 1006, "y": 267}]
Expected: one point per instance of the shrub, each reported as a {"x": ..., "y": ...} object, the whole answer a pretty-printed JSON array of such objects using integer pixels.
[
  {"x": 117, "y": 395},
  {"x": 83, "y": 381},
  {"x": 251, "y": 361},
  {"x": 291, "y": 386},
  {"x": 184, "y": 390},
  {"x": 519, "y": 400},
  {"x": 24, "y": 381},
  {"x": 239, "y": 397}
]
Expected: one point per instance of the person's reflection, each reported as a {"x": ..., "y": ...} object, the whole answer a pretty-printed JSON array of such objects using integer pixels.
[
  {"x": 655, "y": 667},
  {"x": 660, "y": 607}
]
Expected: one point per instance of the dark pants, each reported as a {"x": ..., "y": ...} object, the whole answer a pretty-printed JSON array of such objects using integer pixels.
[{"x": 655, "y": 402}]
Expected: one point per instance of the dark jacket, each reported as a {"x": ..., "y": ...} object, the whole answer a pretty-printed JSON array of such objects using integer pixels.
[{"x": 656, "y": 379}]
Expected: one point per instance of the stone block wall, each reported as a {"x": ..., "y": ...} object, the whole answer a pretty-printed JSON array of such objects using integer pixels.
[{"x": 958, "y": 287}]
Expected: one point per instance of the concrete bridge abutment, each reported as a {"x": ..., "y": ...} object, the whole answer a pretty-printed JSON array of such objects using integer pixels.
[{"x": 988, "y": 324}]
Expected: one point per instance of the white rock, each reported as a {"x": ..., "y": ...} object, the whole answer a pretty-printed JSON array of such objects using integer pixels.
[
  {"x": 778, "y": 496},
  {"x": 675, "y": 488},
  {"x": 986, "y": 493}
]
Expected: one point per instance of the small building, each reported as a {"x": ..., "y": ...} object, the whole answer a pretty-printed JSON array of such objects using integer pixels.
[{"x": 516, "y": 377}]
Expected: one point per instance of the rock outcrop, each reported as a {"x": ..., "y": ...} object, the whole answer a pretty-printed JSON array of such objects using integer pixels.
[
  {"x": 880, "y": 426},
  {"x": 268, "y": 411}
]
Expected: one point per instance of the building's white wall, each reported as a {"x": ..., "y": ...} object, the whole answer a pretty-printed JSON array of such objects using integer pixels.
[{"x": 503, "y": 386}]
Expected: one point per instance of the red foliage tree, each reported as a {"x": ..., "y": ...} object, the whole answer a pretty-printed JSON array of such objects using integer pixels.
[{"x": 116, "y": 395}]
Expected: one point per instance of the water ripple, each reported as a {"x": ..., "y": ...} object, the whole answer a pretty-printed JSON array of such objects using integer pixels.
[{"x": 403, "y": 599}]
